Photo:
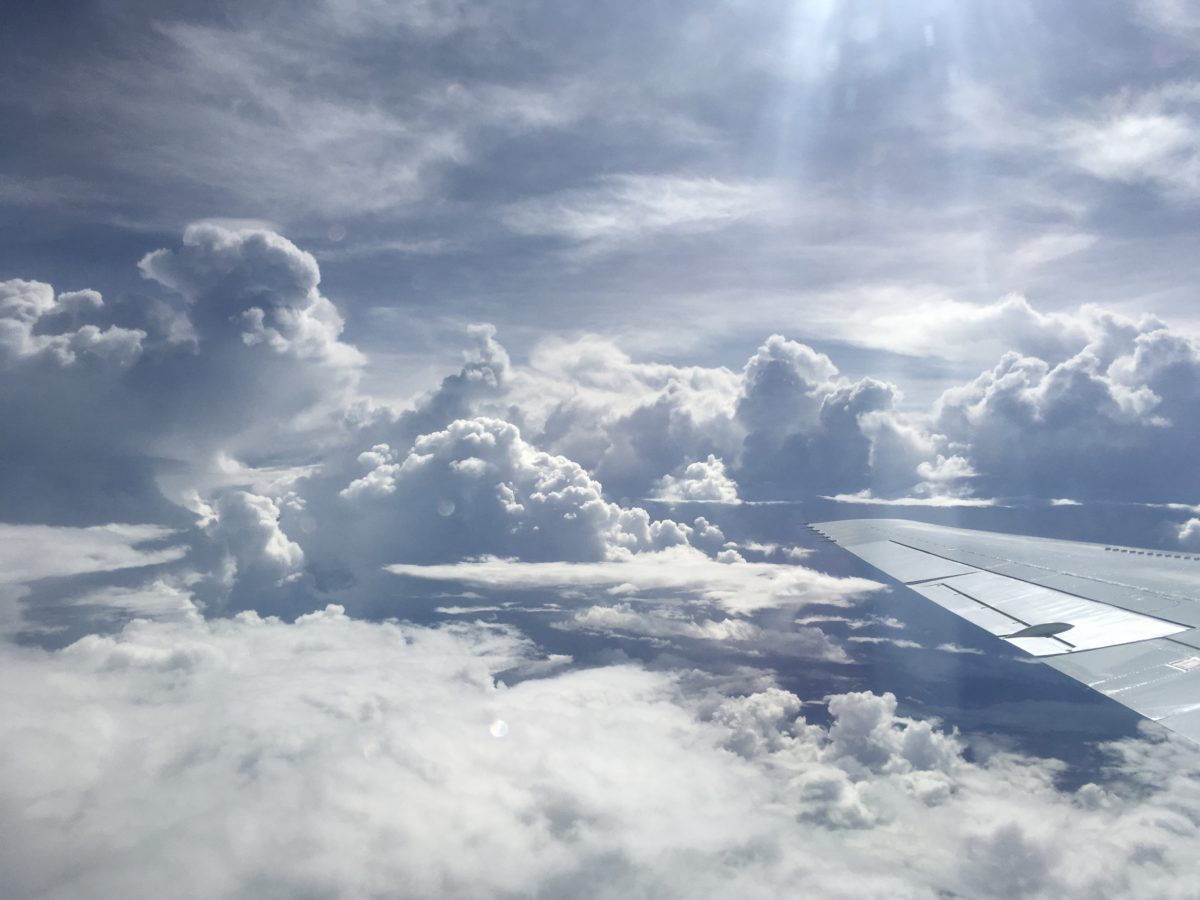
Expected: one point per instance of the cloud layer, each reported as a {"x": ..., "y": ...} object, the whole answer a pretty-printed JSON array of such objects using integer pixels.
[
  {"x": 334, "y": 757},
  {"x": 293, "y": 604},
  {"x": 185, "y": 738}
]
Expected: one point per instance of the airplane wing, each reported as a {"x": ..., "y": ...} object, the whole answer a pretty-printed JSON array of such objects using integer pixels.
[{"x": 1125, "y": 621}]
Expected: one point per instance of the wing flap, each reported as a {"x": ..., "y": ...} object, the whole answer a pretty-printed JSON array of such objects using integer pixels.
[
  {"x": 1122, "y": 621},
  {"x": 1005, "y": 606}
]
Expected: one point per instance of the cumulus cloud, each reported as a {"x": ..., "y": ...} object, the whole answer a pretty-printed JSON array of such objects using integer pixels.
[
  {"x": 481, "y": 385},
  {"x": 810, "y": 430},
  {"x": 944, "y": 327},
  {"x": 787, "y": 425},
  {"x": 530, "y": 459},
  {"x": 782, "y": 385},
  {"x": 253, "y": 301},
  {"x": 193, "y": 751},
  {"x": 1126, "y": 402},
  {"x": 790, "y": 425},
  {"x": 36, "y": 324},
  {"x": 702, "y": 481},
  {"x": 360, "y": 736},
  {"x": 494, "y": 492},
  {"x": 628, "y": 421},
  {"x": 240, "y": 358},
  {"x": 248, "y": 525}
]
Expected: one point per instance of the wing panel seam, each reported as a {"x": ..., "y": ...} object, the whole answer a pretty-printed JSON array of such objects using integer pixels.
[{"x": 1182, "y": 625}]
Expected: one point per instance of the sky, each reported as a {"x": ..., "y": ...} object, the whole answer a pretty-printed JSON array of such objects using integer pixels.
[{"x": 411, "y": 411}]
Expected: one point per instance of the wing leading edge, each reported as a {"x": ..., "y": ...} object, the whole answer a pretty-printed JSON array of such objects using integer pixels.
[{"x": 1125, "y": 621}]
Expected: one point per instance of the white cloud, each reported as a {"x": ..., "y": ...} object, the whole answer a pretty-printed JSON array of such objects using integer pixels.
[
  {"x": 487, "y": 463},
  {"x": 368, "y": 755},
  {"x": 160, "y": 599},
  {"x": 1051, "y": 247},
  {"x": 1138, "y": 134},
  {"x": 788, "y": 425},
  {"x": 630, "y": 422},
  {"x": 221, "y": 117},
  {"x": 703, "y": 481},
  {"x": 854, "y": 623},
  {"x": 866, "y": 498},
  {"x": 1189, "y": 534},
  {"x": 978, "y": 333},
  {"x": 738, "y": 587},
  {"x": 783, "y": 384},
  {"x": 958, "y": 648},
  {"x": 256, "y": 287},
  {"x": 248, "y": 525},
  {"x": 671, "y": 623},
  {"x": 1179, "y": 507},
  {"x": 904, "y": 643},
  {"x": 251, "y": 363},
  {"x": 35, "y": 324},
  {"x": 497, "y": 493},
  {"x": 622, "y": 208},
  {"x": 1147, "y": 136},
  {"x": 1030, "y": 427},
  {"x": 29, "y": 553}
]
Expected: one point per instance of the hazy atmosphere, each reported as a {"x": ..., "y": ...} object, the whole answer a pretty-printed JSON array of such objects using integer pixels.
[{"x": 410, "y": 413}]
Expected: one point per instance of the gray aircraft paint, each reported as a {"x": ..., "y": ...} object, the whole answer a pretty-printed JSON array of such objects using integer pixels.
[{"x": 1125, "y": 621}]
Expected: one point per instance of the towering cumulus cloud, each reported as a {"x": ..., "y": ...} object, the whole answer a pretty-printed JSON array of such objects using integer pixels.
[
  {"x": 250, "y": 359},
  {"x": 268, "y": 354},
  {"x": 1115, "y": 419}
]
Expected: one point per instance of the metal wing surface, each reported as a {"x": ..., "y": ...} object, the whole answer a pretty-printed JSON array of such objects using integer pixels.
[{"x": 1122, "y": 620}]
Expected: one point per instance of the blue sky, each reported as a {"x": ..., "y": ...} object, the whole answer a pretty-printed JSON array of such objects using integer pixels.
[{"x": 411, "y": 411}]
